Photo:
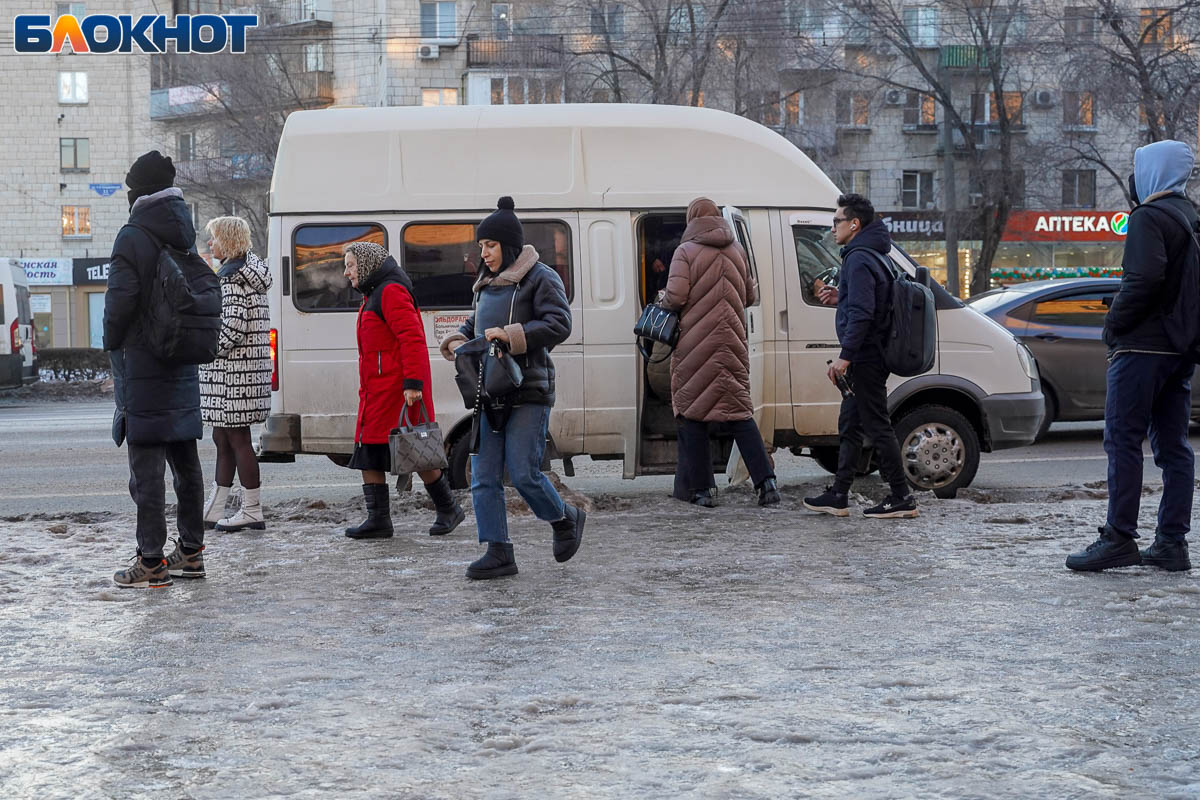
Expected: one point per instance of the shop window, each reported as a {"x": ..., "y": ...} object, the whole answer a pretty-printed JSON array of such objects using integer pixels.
[
  {"x": 1079, "y": 188},
  {"x": 1084, "y": 310},
  {"x": 76, "y": 222},
  {"x": 1079, "y": 109},
  {"x": 442, "y": 258},
  {"x": 817, "y": 260},
  {"x": 95, "y": 320},
  {"x": 853, "y": 110},
  {"x": 318, "y": 269},
  {"x": 74, "y": 155},
  {"x": 916, "y": 189}
]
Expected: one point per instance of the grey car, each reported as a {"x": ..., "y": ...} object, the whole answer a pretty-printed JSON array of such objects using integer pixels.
[{"x": 1062, "y": 322}]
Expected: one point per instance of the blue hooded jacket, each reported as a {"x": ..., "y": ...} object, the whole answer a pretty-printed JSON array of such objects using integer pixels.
[
  {"x": 1155, "y": 245},
  {"x": 863, "y": 295}
]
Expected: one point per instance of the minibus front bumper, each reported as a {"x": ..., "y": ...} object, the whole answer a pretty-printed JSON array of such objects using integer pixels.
[
  {"x": 280, "y": 440},
  {"x": 1013, "y": 420}
]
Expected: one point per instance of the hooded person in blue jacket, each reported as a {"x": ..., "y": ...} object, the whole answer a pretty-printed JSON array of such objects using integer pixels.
[
  {"x": 862, "y": 298},
  {"x": 1149, "y": 378}
]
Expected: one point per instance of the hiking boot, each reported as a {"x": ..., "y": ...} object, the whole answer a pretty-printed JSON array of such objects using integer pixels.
[
  {"x": 214, "y": 506},
  {"x": 1112, "y": 549},
  {"x": 185, "y": 565},
  {"x": 830, "y": 502},
  {"x": 768, "y": 493},
  {"x": 248, "y": 517},
  {"x": 378, "y": 524},
  {"x": 894, "y": 508},
  {"x": 568, "y": 533},
  {"x": 1168, "y": 554},
  {"x": 449, "y": 513},
  {"x": 140, "y": 575},
  {"x": 497, "y": 562}
]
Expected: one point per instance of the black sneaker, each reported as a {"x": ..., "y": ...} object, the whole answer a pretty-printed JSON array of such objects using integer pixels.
[
  {"x": 1168, "y": 554},
  {"x": 894, "y": 508},
  {"x": 1112, "y": 549},
  {"x": 830, "y": 502}
]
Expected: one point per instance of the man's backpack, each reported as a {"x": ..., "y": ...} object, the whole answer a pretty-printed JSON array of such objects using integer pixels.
[
  {"x": 183, "y": 306},
  {"x": 910, "y": 330},
  {"x": 1182, "y": 319}
]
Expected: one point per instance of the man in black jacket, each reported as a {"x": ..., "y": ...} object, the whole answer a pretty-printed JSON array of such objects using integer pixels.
[
  {"x": 1149, "y": 375},
  {"x": 862, "y": 298},
  {"x": 158, "y": 404}
]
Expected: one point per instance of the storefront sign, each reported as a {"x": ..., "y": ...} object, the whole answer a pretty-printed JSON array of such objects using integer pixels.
[
  {"x": 40, "y": 303},
  {"x": 90, "y": 271},
  {"x": 104, "y": 189},
  {"x": 47, "y": 271},
  {"x": 915, "y": 225},
  {"x": 1066, "y": 226}
]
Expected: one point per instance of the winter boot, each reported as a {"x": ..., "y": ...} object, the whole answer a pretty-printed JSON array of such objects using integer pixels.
[
  {"x": 1112, "y": 549},
  {"x": 378, "y": 524},
  {"x": 248, "y": 516},
  {"x": 829, "y": 502},
  {"x": 449, "y": 513},
  {"x": 568, "y": 533},
  {"x": 704, "y": 498},
  {"x": 768, "y": 493},
  {"x": 214, "y": 506},
  {"x": 497, "y": 562},
  {"x": 1168, "y": 554},
  {"x": 181, "y": 564},
  {"x": 142, "y": 575}
]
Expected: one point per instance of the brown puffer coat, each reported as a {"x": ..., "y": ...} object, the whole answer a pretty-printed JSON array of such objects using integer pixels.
[{"x": 710, "y": 284}]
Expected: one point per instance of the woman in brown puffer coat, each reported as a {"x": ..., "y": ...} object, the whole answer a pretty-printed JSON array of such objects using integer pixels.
[{"x": 710, "y": 285}]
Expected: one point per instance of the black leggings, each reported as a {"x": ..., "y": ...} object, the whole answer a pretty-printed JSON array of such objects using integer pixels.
[{"x": 235, "y": 450}]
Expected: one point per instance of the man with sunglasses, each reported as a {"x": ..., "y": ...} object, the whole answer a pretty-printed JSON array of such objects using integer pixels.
[{"x": 862, "y": 315}]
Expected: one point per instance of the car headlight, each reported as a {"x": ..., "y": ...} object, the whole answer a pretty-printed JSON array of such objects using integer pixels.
[{"x": 1028, "y": 364}]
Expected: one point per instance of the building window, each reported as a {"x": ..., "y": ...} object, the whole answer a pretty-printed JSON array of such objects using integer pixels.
[
  {"x": 853, "y": 110},
  {"x": 76, "y": 222},
  {"x": 439, "y": 97},
  {"x": 517, "y": 90},
  {"x": 856, "y": 181},
  {"x": 72, "y": 87},
  {"x": 916, "y": 189},
  {"x": 194, "y": 210},
  {"x": 807, "y": 16},
  {"x": 314, "y": 57},
  {"x": 686, "y": 21},
  {"x": 1006, "y": 24},
  {"x": 1079, "y": 109},
  {"x": 985, "y": 109},
  {"x": 535, "y": 19},
  {"x": 1156, "y": 25},
  {"x": 793, "y": 109},
  {"x": 920, "y": 109},
  {"x": 501, "y": 21},
  {"x": 437, "y": 21},
  {"x": 1079, "y": 23},
  {"x": 1079, "y": 188},
  {"x": 608, "y": 18},
  {"x": 74, "y": 9},
  {"x": 921, "y": 25},
  {"x": 763, "y": 108},
  {"x": 185, "y": 146},
  {"x": 73, "y": 155},
  {"x": 601, "y": 95}
]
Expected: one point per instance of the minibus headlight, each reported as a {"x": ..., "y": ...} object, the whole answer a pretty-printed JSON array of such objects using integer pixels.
[{"x": 1028, "y": 364}]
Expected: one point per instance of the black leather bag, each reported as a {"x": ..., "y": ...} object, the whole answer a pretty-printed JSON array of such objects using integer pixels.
[
  {"x": 485, "y": 371},
  {"x": 468, "y": 369},
  {"x": 502, "y": 375},
  {"x": 656, "y": 324}
]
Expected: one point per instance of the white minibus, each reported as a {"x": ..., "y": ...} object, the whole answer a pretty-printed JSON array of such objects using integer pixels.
[{"x": 18, "y": 354}]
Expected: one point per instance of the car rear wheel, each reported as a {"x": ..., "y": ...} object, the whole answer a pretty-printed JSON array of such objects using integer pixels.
[{"x": 939, "y": 449}]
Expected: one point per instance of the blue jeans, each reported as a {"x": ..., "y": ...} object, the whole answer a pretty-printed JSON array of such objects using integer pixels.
[
  {"x": 1149, "y": 394},
  {"x": 519, "y": 447}
]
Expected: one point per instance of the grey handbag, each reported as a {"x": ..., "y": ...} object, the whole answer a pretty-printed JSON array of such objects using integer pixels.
[{"x": 416, "y": 446}]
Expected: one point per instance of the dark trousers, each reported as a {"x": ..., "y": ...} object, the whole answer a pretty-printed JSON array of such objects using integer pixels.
[
  {"x": 865, "y": 413},
  {"x": 147, "y": 464},
  {"x": 693, "y": 460},
  {"x": 1149, "y": 394}
]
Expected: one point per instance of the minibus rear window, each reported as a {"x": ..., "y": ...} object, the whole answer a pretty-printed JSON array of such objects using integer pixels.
[
  {"x": 318, "y": 271},
  {"x": 442, "y": 258}
]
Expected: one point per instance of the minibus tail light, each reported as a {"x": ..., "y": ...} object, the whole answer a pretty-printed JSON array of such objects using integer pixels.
[
  {"x": 14, "y": 337},
  {"x": 274, "y": 359}
]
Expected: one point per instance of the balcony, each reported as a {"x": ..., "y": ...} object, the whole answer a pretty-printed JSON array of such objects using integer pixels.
[
  {"x": 186, "y": 101},
  {"x": 304, "y": 14},
  {"x": 963, "y": 56},
  {"x": 533, "y": 51},
  {"x": 224, "y": 169},
  {"x": 311, "y": 88}
]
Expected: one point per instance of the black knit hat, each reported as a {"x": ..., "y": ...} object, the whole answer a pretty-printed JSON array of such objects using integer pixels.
[{"x": 502, "y": 225}]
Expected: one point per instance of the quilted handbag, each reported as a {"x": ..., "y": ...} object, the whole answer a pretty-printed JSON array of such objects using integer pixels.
[
  {"x": 416, "y": 446},
  {"x": 656, "y": 324}
]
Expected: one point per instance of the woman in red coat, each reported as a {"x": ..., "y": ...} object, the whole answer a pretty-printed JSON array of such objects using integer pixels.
[{"x": 393, "y": 371}]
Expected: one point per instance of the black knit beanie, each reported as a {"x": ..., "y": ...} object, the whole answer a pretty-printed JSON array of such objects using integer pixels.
[
  {"x": 502, "y": 225},
  {"x": 152, "y": 172}
]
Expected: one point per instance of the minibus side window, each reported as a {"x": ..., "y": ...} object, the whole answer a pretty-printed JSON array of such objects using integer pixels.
[
  {"x": 816, "y": 260},
  {"x": 318, "y": 268},
  {"x": 442, "y": 258}
]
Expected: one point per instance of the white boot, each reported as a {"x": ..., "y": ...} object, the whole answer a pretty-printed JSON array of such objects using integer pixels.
[
  {"x": 248, "y": 516},
  {"x": 214, "y": 506}
]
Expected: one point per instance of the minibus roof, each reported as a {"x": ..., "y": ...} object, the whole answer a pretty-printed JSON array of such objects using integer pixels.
[{"x": 551, "y": 156}]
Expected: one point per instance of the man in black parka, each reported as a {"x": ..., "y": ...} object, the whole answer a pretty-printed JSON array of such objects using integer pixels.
[{"x": 158, "y": 404}]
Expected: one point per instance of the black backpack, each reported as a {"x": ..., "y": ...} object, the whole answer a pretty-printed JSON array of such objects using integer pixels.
[
  {"x": 910, "y": 329},
  {"x": 183, "y": 306},
  {"x": 1182, "y": 318}
]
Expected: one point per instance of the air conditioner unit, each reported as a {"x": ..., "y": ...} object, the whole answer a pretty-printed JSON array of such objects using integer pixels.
[
  {"x": 894, "y": 97},
  {"x": 1043, "y": 98},
  {"x": 427, "y": 52}
]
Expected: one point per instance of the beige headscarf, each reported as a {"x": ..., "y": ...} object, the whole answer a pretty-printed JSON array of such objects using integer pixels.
[{"x": 370, "y": 257}]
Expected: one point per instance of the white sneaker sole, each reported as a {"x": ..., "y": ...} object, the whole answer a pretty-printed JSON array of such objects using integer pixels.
[
  {"x": 905, "y": 514},
  {"x": 836, "y": 512}
]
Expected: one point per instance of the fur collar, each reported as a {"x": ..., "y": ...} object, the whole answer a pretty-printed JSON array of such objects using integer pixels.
[{"x": 515, "y": 273}]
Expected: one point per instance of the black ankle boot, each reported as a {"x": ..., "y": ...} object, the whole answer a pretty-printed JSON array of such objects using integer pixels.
[
  {"x": 568, "y": 533},
  {"x": 378, "y": 524},
  {"x": 497, "y": 562},
  {"x": 768, "y": 493},
  {"x": 449, "y": 513}
]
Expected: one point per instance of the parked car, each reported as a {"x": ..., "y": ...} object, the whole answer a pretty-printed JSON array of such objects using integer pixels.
[{"x": 1062, "y": 322}]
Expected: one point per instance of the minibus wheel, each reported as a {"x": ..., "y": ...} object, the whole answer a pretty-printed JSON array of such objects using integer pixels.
[{"x": 939, "y": 449}]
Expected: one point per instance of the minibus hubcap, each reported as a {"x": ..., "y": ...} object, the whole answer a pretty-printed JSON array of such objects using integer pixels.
[{"x": 933, "y": 455}]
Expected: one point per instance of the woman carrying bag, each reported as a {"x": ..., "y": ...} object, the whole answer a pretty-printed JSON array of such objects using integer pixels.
[
  {"x": 393, "y": 372},
  {"x": 520, "y": 303}
]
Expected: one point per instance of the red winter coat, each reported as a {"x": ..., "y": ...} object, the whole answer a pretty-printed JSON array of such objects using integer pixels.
[{"x": 392, "y": 356}]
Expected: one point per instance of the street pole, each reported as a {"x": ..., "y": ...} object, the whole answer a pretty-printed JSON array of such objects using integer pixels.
[{"x": 950, "y": 195}]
